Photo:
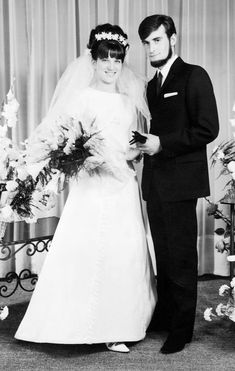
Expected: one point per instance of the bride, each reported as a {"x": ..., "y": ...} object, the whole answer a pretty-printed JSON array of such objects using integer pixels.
[{"x": 97, "y": 284}]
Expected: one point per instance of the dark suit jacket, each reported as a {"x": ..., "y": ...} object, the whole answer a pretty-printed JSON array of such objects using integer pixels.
[{"x": 185, "y": 123}]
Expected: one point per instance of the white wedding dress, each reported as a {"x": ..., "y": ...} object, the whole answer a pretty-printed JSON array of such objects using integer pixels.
[{"x": 96, "y": 284}]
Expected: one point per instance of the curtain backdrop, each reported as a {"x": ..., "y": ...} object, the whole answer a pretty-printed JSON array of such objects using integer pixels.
[{"x": 38, "y": 38}]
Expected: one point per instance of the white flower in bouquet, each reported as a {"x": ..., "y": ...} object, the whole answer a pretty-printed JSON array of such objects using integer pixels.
[
  {"x": 6, "y": 213},
  {"x": 3, "y": 131},
  {"x": 69, "y": 146},
  {"x": 36, "y": 196},
  {"x": 54, "y": 184},
  {"x": 220, "y": 155},
  {"x": 223, "y": 289},
  {"x": 231, "y": 166},
  {"x": 5, "y": 143},
  {"x": 22, "y": 173},
  {"x": 4, "y": 311},
  {"x": 10, "y": 109},
  {"x": 11, "y": 185},
  {"x": 13, "y": 154},
  {"x": 34, "y": 168},
  {"x": 93, "y": 162},
  {"x": 31, "y": 220},
  {"x": 3, "y": 171},
  {"x": 49, "y": 198}
]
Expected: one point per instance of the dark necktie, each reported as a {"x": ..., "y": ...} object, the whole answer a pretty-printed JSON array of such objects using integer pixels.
[{"x": 159, "y": 83}]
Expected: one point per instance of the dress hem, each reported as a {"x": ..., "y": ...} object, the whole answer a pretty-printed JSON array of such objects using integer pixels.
[{"x": 77, "y": 341}]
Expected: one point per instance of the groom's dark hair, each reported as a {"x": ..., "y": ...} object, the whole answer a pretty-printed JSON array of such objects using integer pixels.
[{"x": 153, "y": 22}]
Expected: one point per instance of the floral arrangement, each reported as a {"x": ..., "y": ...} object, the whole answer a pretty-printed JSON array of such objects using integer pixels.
[
  {"x": 32, "y": 177},
  {"x": 49, "y": 164},
  {"x": 224, "y": 310},
  {"x": 225, "y": 155}
]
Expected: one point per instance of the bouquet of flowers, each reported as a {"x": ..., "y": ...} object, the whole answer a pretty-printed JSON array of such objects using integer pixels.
[
  {"x": 53, "y": 160},
  {"x": 47, "y": 164},
  {"x": 61, "y": 148},
  {"x": 227, "y": 309}
]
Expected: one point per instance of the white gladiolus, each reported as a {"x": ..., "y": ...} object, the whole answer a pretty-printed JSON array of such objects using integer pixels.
[
  {"x": 35, "y": 168},
  {"x": 6, "y": 213},
  {"x": 3, "y": 131},
  {"x": 3, "y": 172},
  {"x": 220, "y": 154},
  {"x": 5, "y": 143},
  {"x": 4, "y": 311},
  {"x": 22, "y": 173},
  {"x": 10, "y": 109},
  {"x": 13, "y": 154},
  {"x": 231, "y": 166},
  {"x": 11, "y": 185},
  {"x": 52, "y": 185}
]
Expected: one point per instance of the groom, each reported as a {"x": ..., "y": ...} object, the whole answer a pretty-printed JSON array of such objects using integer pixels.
[{"x": 184, "y": 120}]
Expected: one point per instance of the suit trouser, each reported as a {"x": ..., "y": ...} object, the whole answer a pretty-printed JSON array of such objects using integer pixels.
[{"x": 174, "y": 232}]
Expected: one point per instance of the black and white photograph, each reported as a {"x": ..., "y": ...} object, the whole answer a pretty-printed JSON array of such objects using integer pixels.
[{"x": 117, "y": 185}]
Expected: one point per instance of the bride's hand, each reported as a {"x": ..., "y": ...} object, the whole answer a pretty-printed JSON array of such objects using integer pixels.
[{"x": 133, "y": 154}]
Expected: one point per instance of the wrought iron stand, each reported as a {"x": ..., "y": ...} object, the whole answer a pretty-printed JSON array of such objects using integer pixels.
[
  {"x": 26, "y": 280},
  {"x": 9, "y": 248}
]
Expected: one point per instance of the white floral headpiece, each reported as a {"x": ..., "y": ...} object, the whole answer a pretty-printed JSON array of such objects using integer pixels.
[{"x": 111, "y": 36}]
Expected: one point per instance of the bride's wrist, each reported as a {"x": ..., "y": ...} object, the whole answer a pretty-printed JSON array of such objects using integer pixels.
[{"x": 134, "y": 154}]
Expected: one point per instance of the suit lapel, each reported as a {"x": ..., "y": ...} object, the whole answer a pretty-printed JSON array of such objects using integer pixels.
[
  {"x": 176, "y": 66},
  {"x": 151, "y": 91}
]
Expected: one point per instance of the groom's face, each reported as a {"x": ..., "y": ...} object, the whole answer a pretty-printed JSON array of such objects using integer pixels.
[{"x": 159, "y": 47}]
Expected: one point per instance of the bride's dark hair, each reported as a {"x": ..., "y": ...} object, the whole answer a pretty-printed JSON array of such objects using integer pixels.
[{"x": 104, "y": 48}]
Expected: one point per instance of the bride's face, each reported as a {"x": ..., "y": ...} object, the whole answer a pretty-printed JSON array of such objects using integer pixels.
[{"x": 107, "y": 70}]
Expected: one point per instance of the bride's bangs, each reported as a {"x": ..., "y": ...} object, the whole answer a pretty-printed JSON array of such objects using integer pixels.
[{"x": 111, "y": 49}]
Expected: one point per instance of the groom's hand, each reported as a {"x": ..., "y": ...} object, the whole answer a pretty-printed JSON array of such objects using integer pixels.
[{"x": 151, "y": 146}]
